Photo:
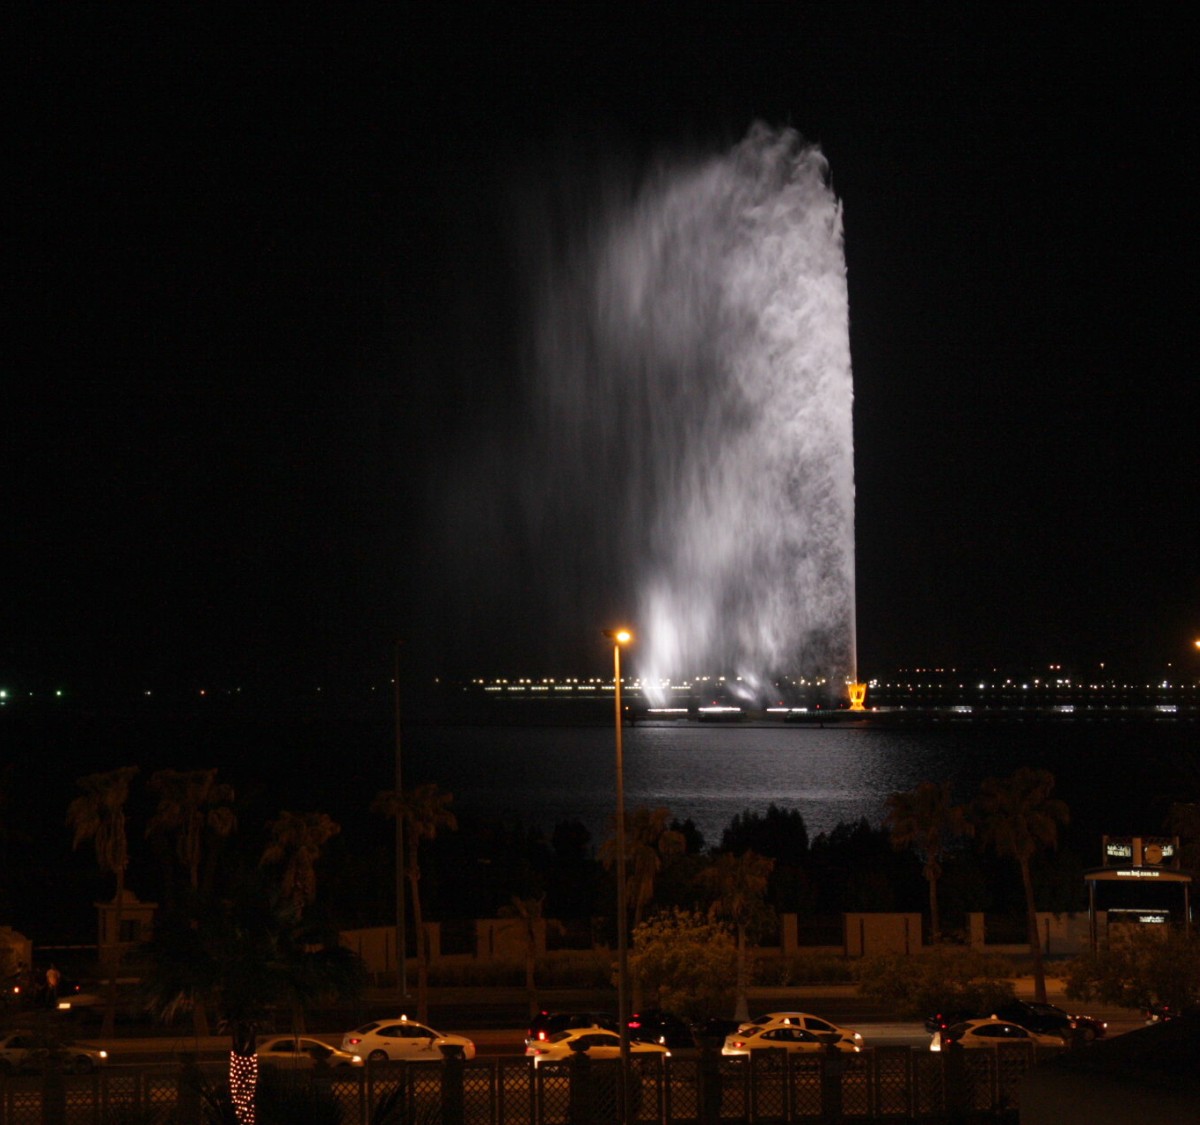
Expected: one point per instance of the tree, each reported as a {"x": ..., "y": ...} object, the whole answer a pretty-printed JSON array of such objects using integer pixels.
[
  {"x": 1139, "y": 969},
  {"x": 528, "y": 914},
  {"x": 778, "y": 834},
  {"x": 684, "y": 960},
  {"x": 245, "y": 955},
  {"x": 739, "y": 884},
  {"x": 649, "y": 842},
  {"x": 295, "y": 846},
  {"x": 943, "y": 978},
  {"x": 99, "y": 815},
  {"x": 925, "y": 819},
  {"x": 424, "y": 811},
  {"x": 1017, "y": 816},
  {"x": 191, "y": 805}
]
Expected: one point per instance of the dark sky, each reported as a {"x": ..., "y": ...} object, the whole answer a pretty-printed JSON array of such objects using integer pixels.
[{"x": 262, "y": 294}]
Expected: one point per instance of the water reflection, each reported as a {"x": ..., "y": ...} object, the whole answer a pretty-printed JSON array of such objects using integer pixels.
[{"x": 832, "y": 774}]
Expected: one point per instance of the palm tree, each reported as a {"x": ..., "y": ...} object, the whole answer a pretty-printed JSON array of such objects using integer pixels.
[
  {"x": 424, "y": 810},
  {"x": 739, "y": 886},
  {"x": 295, "y": 844},
  {"x": 99, "y": 815},
  {"x": 650, "y": 842},
  {"x": 1017, "y": 816},
  {"x": 191, "y": 804},
  {"x": 925, "y": 819},
  {"x": 246, "y": 955},
  {"x": 527, "y": 913}
]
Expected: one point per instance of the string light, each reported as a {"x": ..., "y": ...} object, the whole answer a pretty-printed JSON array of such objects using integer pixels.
[{"x": 243, "y": 1081}]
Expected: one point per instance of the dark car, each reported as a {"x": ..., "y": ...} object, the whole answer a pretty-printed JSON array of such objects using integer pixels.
[
  {"x": 1053, "y": 1020},
  {"x": 940, "y": 1021},
  {"x": 1045, "y": 1019},
  {"x": 715, "y": 1030},
  {"x": 545, "y": 1024},
  {"x": 656, "y": 1026}
]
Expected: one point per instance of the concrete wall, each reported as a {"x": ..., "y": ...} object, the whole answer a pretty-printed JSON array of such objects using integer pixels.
[
  {"x": 1066, "y": 934},
  {"x": 870, "y": 934}
]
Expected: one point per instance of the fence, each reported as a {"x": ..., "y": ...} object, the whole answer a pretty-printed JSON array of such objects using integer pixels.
[{"x": 893, "y": 1084}]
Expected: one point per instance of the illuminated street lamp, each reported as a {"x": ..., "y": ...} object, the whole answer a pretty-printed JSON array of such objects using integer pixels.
[{"x": 621, "y": 637}]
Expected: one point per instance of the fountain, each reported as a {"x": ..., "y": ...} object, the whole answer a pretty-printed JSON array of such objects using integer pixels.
[{"x": 692, "y": 369}]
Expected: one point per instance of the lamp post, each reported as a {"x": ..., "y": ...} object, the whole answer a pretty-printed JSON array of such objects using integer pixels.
[
  {"x": 401, "y": 926},
  {"x": 621, "y": 637}
]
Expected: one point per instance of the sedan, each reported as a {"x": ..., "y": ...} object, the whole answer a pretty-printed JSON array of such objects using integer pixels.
[
  {"x": 546, "y": 1024},
  {"x": 990, "y": 1033},
  {"x": 595, "y": 1042},
  {"x": 25, "y": 1051},
  {"x": 656, "y": 1026},
  {"x": 807, "y": 1021},
  {"x": 1049, "y": 1018},
  {"x": 404, "y": 1039},
  {"x": 301, "y": 1052},
  {"x": 784, "y": 1036}
]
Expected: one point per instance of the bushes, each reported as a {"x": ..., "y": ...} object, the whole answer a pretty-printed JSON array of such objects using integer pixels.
[
  {"x": 1138, "y": 969},
  {"x": 573, "y": 969},
  {"x": 802, "y": 968},
  {"x": 943, "y": 978}
]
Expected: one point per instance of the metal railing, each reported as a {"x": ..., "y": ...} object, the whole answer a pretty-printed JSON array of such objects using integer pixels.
[{"x": 894, "y": 1084}]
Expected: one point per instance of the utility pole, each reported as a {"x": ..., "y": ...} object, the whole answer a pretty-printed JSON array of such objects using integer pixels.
[{"x": 401, "y": 941}]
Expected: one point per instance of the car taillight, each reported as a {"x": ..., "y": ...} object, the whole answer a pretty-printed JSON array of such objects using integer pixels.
[
  {"x": 353, "y": 1040},
  {"x": 739, "y": 1043}
]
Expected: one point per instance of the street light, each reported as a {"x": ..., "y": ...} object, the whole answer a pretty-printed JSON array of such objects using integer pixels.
[{"x": 621, "y": 637}]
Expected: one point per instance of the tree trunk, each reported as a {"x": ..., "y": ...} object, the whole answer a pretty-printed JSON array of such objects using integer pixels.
[
  {"x": 741, "y": 1009},
  {"x": 110, "y": 992},
  {"x": 530, "y": 975},
  {"x": 935, "y": 921},
  {"x": 1035, "y": 941},
  {"x": 243, "y": 1073}
]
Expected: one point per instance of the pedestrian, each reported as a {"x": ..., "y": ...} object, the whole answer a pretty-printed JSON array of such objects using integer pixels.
[{"x": 53, "y": 976}]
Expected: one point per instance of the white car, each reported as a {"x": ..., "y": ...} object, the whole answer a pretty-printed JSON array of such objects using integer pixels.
[
  {"x": 991, "y": 1033},
  {"x": 595, "y": 1042},
  {"x": 403, "y": 1039},
  {"x": 25, "y": 1051},
  {"x": 807, "y": 1021},
  {"x": 788, "y": 1037},
  {"x": 302, "y": 1052}
]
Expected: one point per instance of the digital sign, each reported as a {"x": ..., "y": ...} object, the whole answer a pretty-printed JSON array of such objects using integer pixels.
[{"x": 1141, "y": 852}]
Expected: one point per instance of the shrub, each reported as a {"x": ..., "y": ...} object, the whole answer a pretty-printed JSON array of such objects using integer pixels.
[
  {"x": 685, "y": 963},
  {"x": 1139, "y": 969},
  {"x": 944, "y": 978},
  {"x": 803, "y": 968}
]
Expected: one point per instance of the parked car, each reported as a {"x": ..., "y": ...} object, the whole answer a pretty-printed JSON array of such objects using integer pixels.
[
  {"x": 404, "y": 1039},
  {"x": 807, "y": 1021},
  {"x": 656, "y": 1026},
  {"x": 991, "y": 1032},
  {"x": 1051, "y": 1019},
  {"x": 789, "y": 1037},
  {"x": 27, "y": 1051},
  {"x": 595, "y": 1042},
  {"x": 1160, "y": 1013},
  {"x": 300, "y": 1052},
  {"x": 715, "y": 1029},
  {"x": 546, "y": 1024},
  {"x": 1042, "y": 1018}
]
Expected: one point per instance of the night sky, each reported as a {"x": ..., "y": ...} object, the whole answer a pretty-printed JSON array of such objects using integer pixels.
[{"x": 263, "y": 297}]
